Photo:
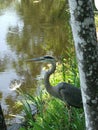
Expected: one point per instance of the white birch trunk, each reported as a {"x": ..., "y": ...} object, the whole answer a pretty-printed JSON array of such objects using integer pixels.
[{"x": 84, "y": 34}]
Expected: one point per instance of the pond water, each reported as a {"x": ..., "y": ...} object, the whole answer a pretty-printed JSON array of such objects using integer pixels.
[{"x": 29, "y": 29}]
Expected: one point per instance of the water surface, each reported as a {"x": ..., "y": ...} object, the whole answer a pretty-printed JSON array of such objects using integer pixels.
[{"x": 29, "y": 29}]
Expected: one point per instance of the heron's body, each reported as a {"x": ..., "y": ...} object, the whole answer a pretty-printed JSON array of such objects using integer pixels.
[
  {"x": 67, "y": 93},
  {"x": 64, "y": 91}
]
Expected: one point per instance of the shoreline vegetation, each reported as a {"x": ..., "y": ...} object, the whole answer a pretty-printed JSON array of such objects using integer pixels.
[{"x": 51, "y": 113}]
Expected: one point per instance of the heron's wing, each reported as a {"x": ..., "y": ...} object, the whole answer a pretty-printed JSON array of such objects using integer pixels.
[{"x": 70, "y": 94}]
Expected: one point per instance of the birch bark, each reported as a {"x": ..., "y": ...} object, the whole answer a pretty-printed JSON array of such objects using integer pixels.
[{"x": 86, "y": 46}]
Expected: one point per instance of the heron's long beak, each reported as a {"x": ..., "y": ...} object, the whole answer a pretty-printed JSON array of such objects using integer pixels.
[{"x": 35, "y": 59}]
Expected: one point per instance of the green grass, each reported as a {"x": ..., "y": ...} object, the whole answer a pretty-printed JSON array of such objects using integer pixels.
[{"x": 52, "y": 113}]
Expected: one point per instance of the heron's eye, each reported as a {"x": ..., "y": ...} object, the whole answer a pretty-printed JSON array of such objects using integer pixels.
[{"x": 48, "y": 57}]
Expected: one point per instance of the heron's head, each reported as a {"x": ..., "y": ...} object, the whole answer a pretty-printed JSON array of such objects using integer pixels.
[{"x": 45, "y": 59}]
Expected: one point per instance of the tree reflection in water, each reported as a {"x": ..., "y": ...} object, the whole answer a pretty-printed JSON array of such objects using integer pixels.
[{"x": 30, "y": 30}]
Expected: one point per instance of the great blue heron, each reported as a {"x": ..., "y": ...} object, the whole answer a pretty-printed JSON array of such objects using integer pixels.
[{"x": 64, "y": 91}]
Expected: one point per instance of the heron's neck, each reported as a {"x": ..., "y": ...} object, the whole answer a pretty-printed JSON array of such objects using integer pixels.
[{"x": 47, "y": 76}]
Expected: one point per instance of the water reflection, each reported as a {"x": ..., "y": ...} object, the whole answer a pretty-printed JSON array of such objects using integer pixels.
[{"x": 29, "y": 29}]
